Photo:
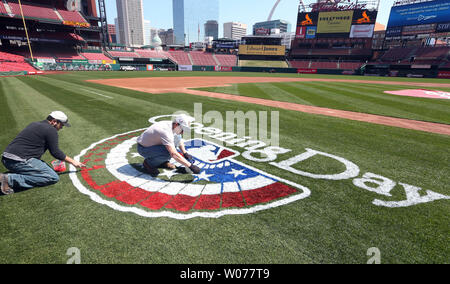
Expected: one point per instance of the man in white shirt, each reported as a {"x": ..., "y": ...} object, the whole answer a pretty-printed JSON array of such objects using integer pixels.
[{"x": 158, "y": 145}]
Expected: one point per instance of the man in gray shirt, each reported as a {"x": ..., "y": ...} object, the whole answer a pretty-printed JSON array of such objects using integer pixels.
[{"x": 159, "y": 142}]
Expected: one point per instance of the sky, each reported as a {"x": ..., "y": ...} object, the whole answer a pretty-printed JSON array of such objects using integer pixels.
[{"x": 159, "y": 12}]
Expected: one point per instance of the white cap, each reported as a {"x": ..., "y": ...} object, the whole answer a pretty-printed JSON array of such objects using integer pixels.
[
  {"x": 60, "y": 116},
  {"x": 184, "y": 121}
]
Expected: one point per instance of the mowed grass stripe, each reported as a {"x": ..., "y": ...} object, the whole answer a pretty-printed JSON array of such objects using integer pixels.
[
  {"x": 81, "y": 103},
  {"x": 38, "y": 106},
  {"x": 429, "y": 109},
  {"x": 351, "y": 97},
  {"x": 278, "y": 92},
  {"x": 367, "y": 102},
  {"x": 8, "y": 123}
]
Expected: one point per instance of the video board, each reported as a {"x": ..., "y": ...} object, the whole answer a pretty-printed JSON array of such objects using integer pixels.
[
  {"x": 336, "y": 24},
  {"x": 431, "y": 12}
]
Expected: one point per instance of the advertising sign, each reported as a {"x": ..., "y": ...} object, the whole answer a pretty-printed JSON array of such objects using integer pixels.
[
  {"x": 307, "y": 19},
  {"x": 301, "y": 32},
  {"x": 444, "y": 27},
  {"x": 311, "y": 32},
  {"x": 362, "y": 31},
  {"x": 418, "y": 29},
  {"x": 277, "y": 50},
  {"x": 334, "y": 22},
  {"x": 394, "y": 31},
  {"x": 420, "y": 13},
  {"x": 362, "y": 17}
]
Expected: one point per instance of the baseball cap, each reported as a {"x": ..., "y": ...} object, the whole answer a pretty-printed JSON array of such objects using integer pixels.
[
  {"x": 184, "y": 121},
  {"x": 60, "y": 116}
]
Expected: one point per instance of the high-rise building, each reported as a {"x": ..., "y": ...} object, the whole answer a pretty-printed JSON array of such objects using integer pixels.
[
  {"x": 189, "y": 18},
  {"x": 112, "y": 33},
  {"x": 283, "y": 26},
  {"x": 234, "y": 30},
  {"x": 130, "y": 16},
  {"x": 212, "y": 29},
  {"x": 147, "y": 33},
  {"x": 167, "y": 37}
]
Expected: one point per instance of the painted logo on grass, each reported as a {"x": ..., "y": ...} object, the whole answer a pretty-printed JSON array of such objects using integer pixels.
[
  {"x": 420, "y": 93},
  {"x": 115, "y": 177}
]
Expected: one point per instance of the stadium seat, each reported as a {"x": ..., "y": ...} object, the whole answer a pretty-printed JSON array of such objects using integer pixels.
[
  {"x": 34, "y": 11},
  {"x": 145, "y": 53},
  {"x": 300, "y": 64},
  {"x": 350, "y": 65},
  {"x": 2, "y": 9},
  {"x": 180, "y": 57},
  {"x": 226, "y": 59},
  {"x": 94, "y": 56},
  {"x": 202, "y": 58},
  {"x": 12, "y": 62},
  {"x": 71, "y": 16},
  {"x": 125, "y": 54}
]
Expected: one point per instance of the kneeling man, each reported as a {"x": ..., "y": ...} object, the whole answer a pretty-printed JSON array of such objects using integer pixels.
[
  {"x": 22, "y": 157},
  {"x": 158, "y": 145}
]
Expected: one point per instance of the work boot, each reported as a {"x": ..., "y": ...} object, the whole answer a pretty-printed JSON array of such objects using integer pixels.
[
  {"x": 167, "y": 165},
  {"x": 4, "y": 185},
  {"x": 151, "y": 170}
]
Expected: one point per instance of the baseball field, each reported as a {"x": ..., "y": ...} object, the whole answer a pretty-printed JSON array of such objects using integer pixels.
[{"x": 355, "y": 174}]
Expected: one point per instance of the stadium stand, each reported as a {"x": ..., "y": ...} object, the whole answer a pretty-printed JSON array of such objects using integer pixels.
[
  {"x": 13, "y": 62},
  {"x": 180, "y": 57},
  {"x": 202, "y": 58},
  {"x": 37, "y": 11},
  {"x": 71, "y": 16},
  {"x": 300, "y": 63},
  {"x": 124, "y": 54},
  {"x": 146, "y": 53},
  {"x": 94, "y": 56},
  {"x": 2, "y": 9},
  {"x": 226, "y": 60},
  {"x": 349, "y": 65}
]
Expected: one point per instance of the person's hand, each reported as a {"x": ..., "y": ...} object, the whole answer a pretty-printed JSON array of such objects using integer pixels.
[
  {"x": 195, "y": 169},
  {"x": 78, "y": 164},
  {"x": 189, "y": 157}
]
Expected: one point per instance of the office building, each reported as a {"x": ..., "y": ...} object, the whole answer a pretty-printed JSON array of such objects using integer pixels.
[
  {"x": 130, "y": 18},
  {"x": 234, "y": 30},
  {"x": 189, "y": 18},
  {"x": 268, "y": 26},
  {"x": 212, "y": 29}
]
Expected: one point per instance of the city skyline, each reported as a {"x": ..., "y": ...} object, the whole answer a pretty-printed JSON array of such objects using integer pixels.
[{"x": 160, "y": 13}]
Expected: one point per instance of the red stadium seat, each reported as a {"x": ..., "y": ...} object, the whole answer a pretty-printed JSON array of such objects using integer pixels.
[
  {"x": 226, "y": 59},
  {"x": 12, "y": 63},
  {"x": 34, "y": 11},
  {"x": 180, "y": 57},
  {"x": 202, "y": 58}
]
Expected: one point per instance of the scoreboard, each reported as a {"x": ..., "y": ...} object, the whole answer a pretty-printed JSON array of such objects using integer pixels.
[{"x": 358, "y": 23}]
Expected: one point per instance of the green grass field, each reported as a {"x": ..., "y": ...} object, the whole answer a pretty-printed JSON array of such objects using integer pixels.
[{"x": 337, "y": 223}]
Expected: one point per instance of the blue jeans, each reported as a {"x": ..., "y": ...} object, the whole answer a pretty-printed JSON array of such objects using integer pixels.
[
  {"x": 154, "y": 155},
  {"x": 31, "y": 173}
]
